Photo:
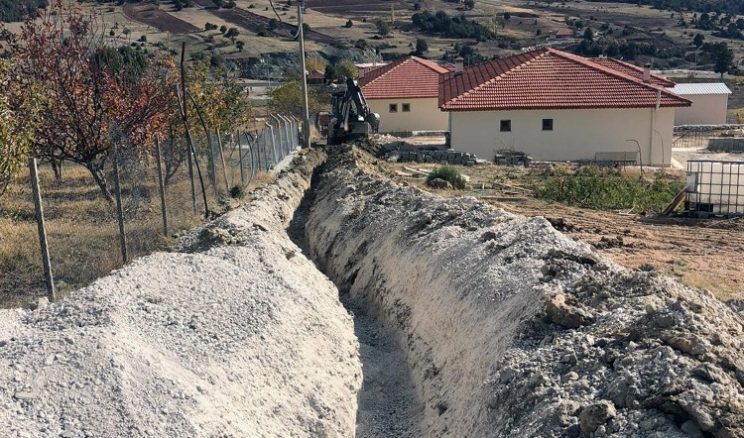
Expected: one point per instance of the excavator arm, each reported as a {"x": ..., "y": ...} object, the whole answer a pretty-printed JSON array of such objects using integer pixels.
[{"x": 351, "y": 117}]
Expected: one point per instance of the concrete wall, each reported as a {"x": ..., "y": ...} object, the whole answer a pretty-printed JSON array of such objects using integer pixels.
[
  {"x": 576, "y": 135},
  {"x": 424, "y": 115},
  {"x": 706, "y": 109}
]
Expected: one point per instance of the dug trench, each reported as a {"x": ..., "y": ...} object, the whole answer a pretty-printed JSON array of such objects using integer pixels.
[
  {"x": 460, "y": 320},
  {"x": 497, "y": 325}
]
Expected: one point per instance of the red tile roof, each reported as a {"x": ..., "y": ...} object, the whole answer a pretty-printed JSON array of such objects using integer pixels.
[
  {"x": 409, "y": 77},
  {"x": 632, "y": 70},
  {"x": 548, "y": 79}
]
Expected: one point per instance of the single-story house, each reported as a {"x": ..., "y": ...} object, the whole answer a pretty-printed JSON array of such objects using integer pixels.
[
  {"x": 405, "y": 94},
  {"x": 558, "y": 106},
  {"x": 709, "y": 103}
]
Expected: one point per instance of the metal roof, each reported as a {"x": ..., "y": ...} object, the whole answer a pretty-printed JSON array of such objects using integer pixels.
[{"x": 700, "y": 88}]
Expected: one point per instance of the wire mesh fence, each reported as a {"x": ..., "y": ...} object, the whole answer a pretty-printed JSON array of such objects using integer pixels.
[
  {"x": 82, "y": 223},
  {"x": 699, "y": 137}
]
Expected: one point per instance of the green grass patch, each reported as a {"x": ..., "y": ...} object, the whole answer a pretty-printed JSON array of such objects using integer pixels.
[
  {"x": 449, "y": 174},
  {"x": 610, "y": 189}
]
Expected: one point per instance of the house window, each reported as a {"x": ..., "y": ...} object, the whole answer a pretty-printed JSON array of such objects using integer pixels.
[
  {"x": 506, "y": 126},
  {"x": 406, "y": 108},
  {"x": 547, "y": 124},
  {"x": 393, "y": 107}
]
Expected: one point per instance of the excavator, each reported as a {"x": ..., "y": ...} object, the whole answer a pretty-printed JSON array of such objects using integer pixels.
[{"x": 350, "y": 118}]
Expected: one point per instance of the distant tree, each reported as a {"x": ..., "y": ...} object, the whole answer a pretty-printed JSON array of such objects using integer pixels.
[
  {"x": 469, "y": 4},
  {"x": 240, "y": 45},
  {"x": 383, "y": 28},
  {"x": 223, "y": 29},
  {"x": 698, "y": 40},
  {"x": 232, "y": 33},
  {"x": 345, "y": 68},
  {"x": 288, "y": 99},
  {"x": 723, "y": 58},
  {"x": 589, "y": 34},
  {"x": 421, "y": 46},
  {"x": 349, "y": 24},
  {"x": 315, "y": 63}
]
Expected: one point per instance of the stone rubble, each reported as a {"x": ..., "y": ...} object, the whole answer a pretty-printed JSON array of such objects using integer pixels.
[{"x": 513, "y": 329}]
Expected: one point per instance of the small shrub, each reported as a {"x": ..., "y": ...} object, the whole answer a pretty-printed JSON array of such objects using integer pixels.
[
  {"x": 237, "y": 192},
  {"x": 449, "y": 174}
]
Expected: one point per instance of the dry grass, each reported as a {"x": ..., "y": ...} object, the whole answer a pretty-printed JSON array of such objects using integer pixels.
[{"x": 82, "y": 230}]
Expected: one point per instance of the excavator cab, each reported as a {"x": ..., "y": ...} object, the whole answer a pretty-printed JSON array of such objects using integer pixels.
[{"x": 351, "y": 117}]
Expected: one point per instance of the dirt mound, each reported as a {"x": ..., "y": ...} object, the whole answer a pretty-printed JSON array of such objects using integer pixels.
[
  {"x": 246, "y": 338},
  {"x": 512, "y": 329}
]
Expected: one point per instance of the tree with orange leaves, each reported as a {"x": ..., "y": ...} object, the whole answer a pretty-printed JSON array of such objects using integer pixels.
[{"x": 92, "y": 96}]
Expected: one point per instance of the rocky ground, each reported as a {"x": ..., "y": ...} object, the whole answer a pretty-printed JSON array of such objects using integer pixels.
[
  {"x": 510, "y": 328},
  {"x": 238, "y": 335},
  {"x": 461, "y": 320}
]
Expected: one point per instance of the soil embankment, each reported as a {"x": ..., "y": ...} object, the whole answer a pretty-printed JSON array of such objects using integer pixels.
[
  {"x": 238, "y": 335},
  {"x": 473, "y": 322},
  {"x": 509, "y": 328}
]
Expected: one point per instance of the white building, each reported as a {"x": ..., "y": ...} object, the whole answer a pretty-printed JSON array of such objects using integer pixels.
[
  {"x": 557, "y": 106},
  {"x": 709, "y": 103},
  {"x": 405, "y": 94}
]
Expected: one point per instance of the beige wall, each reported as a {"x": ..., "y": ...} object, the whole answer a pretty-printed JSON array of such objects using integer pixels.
[
  {"x": 706, "y": 109},
  {"x": 576, "y": 135},
  {"x": 424, "y": 115}
]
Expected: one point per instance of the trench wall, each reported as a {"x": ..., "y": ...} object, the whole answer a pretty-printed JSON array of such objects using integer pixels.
[{"x": 512, "y": 329}]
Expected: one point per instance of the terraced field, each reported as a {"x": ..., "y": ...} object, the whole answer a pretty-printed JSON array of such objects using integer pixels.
[{"x": 153, "y": 16}]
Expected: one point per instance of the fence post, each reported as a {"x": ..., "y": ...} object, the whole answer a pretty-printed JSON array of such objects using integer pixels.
[
  {"x": 191, "y": 180},
  {"x": 222, "y": 159},
  {"x": 240, "y": 159},
  {"x": 41, "y": 226},
  {"x": 273, "y": 145},
  {"x": 119, "y": 208},
  {"x": 281, "y": 137},
  {"x": 161, "y": 186},
  {"x": 295, "y": 132},
  {"x": 260, "y": 145},
  {"x": 288, "y": 129}
]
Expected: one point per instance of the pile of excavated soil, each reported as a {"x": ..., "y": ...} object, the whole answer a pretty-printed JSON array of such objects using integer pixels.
[
  {"x": 512, "y": 329},
  {"x": 237, "y": 336}
]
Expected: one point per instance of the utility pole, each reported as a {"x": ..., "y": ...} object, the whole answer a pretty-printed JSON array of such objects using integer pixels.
[{"x": 306, "y": 113}]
